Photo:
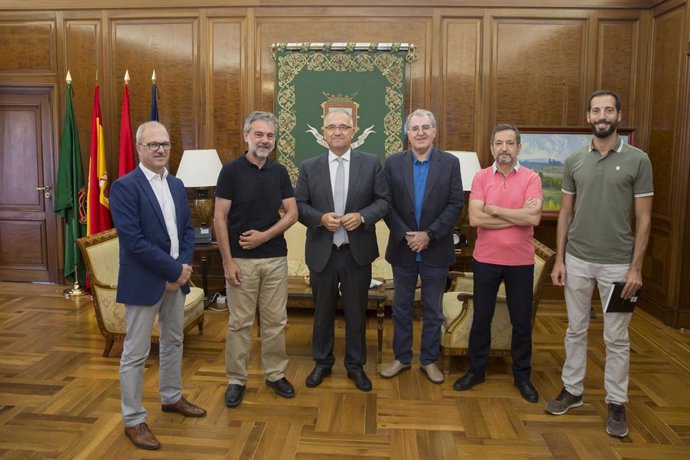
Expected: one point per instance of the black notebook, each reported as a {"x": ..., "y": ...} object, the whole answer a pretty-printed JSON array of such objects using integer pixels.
[{"x": 616, "y": 304}]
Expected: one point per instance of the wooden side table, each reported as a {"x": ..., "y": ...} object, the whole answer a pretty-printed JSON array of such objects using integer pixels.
[{"x": 204, "y": 250}]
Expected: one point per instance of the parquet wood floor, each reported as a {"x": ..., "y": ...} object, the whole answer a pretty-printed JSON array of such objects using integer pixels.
[{"x": 60, "y": 399}]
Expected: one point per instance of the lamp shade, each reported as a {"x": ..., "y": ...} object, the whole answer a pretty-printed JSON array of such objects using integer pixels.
[
  {"x": 469, "y": 166},
  {"x": 199, "y": 168}
]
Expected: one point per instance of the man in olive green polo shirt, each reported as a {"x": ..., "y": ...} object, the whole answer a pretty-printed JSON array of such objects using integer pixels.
[{"x": 603, "y": 185}]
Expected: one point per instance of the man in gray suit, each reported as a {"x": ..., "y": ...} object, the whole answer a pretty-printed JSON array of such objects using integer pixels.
[{"x": 340, "y": 197}]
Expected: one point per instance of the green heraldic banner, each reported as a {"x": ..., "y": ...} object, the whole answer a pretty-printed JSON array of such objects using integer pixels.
[{"x": 369, "y": 83}]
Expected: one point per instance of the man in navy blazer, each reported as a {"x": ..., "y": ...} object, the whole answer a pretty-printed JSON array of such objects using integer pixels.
[
  {"x": 341, "y": 243},
  {"x": 151, "y": 215},
  {"x": 426, "y": 201}
]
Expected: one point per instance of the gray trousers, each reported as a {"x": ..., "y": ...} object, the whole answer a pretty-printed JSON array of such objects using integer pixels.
[
  {"x": 580, "y": 279},
  {"x": 170, "y": 309}
]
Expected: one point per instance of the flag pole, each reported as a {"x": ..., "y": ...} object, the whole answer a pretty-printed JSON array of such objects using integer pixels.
[{"x": 75, "y": 290}]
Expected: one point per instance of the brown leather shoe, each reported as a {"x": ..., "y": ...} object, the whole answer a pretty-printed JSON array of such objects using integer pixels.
[
  {"x": 185, "y": 408},
  {"x": 142, "y": 437}
]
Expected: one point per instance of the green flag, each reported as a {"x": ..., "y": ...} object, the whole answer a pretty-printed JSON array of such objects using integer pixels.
[{"x": 69, "y": 182}]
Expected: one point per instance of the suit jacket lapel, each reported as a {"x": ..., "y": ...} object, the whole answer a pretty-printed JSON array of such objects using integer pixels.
[
  {"x": 355, "y": 167},
  {"x": 408, "y": 174},
  {"x": 434, "y": 171},
  {"x": 324, "y": 171},
  {"x": 148, "y": 191}
]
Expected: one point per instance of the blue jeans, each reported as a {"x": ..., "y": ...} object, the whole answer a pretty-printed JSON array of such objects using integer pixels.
[{"x": 433, "y": 285}]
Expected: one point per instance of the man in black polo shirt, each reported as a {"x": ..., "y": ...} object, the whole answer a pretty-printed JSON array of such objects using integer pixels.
[{"x": 249, "y": 229}]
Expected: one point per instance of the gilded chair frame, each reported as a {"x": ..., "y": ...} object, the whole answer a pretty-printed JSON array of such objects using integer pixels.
[
  {"x": 452, "y": 325},
  {"x": 85, "y": 244}
]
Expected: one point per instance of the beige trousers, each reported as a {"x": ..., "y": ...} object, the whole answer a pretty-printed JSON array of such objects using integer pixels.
[{"x": 264, "y": 285}]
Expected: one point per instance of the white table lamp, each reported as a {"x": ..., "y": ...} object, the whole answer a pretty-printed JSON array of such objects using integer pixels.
[
  {"x": 469, "y": 166},
  {"x": 200, "y": 169}
]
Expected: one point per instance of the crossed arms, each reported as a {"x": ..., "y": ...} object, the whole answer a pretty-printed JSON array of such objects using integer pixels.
[{"x": 494, "y": 217}]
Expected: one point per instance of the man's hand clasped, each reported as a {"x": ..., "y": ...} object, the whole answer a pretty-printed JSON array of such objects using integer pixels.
[
  {"x": 252, "y": 239},
  {"x": 417, "y": 241},
  {"x": 350, "y": 221}
]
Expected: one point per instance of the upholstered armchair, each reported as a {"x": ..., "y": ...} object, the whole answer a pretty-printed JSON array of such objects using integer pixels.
[
  {"x": 295, "y": 237},
  {"x": 458, "y": 310},
  {"x": 101, "y": 252}
]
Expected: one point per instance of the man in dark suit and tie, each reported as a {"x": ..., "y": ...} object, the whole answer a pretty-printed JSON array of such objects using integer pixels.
[
  {"x": 426, "y": 201},
  {"x": 340, "y": 197},
  {"x": 152, "y": 219}
]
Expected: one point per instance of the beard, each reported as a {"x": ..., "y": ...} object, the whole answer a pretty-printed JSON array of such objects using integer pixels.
[
  {"x": 503, "y": 158},
  {"x": 261, "y": 151},
  {"x": 605, "y": 133}
]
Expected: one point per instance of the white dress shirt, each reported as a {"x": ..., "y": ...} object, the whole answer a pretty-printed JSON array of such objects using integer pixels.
[{"x": 165, "y": 200}]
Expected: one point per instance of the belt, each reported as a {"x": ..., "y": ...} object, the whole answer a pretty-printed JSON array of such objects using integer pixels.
[{"x": 341, "y": 247}]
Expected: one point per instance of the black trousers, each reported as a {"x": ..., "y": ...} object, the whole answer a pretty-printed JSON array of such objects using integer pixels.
[
  {"x": 342, "y": 274},
  {"x": 518, "y": 282}
]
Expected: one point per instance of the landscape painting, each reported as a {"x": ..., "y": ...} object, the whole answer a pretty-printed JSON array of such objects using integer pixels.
[{"x": 544, "y": 150}]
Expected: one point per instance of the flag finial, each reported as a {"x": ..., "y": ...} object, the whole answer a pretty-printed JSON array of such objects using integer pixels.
[
  {"x": 127, "y": 77},
  {"x": 153, "y": 76},
  {"x": 68, "y": 78}
]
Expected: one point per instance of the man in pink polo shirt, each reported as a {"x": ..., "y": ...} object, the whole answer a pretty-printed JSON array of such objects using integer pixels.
[{"x": 505, "y": 205}]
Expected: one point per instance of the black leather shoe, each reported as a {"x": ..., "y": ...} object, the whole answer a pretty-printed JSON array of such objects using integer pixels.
[
  {"x": 467, "y": 381},
  {"x": 361, "y": 380},
  {"x": 282, "y": 387},
  {"x": 316, "y": 377},
  {"x": 233, "y": 395},
  {"x": 527, "y": 390}
]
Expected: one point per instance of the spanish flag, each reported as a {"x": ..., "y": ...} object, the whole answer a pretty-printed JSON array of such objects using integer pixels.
[
  {"x": 126, "y": 163},
  {"x": 98, "y": 209}
]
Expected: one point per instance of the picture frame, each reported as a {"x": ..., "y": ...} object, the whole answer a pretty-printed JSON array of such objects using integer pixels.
[{"x": 544, "y": 150}]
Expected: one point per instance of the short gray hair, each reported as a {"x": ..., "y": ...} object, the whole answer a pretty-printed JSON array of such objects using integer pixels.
[
  {"x": 257, "y": 115},
  {"x": 421, "y": 113},
  {"x": 142, "y": 127},
  {"x": 340, "y": 110}
]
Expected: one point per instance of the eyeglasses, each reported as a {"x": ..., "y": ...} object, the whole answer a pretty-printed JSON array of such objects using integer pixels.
[
  {"x": 423, "y": 128},
  {"x": 337, "y": 127},
  {"x": 154, "y": 146}
]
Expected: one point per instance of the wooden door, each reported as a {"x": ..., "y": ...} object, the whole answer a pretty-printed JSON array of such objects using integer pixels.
[{"x": 28, "y": 226}]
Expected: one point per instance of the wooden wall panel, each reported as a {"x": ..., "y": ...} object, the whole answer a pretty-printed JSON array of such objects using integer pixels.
[
  {"x": 17, "y": 244},
  {"x": 538, "y": 73},
  {"x": 27, "y": 46},
  {"x": 226, "y": 97},
  {"x": 82, "y": 55},
  {"x": 461, "y": 83},
  {"x": 683, "y": 174},
  {"x": 617, "y": 62},
  {"x": 478, "y": 64},
  {"x": 171, "y": 47},
  {"x": 665, "y": 67},
  {"x": 411, "y": 28},
  {"x": 661, "y": 261}
]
